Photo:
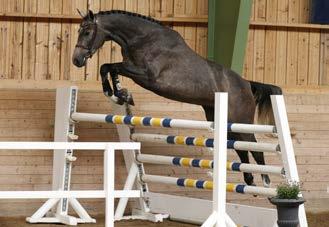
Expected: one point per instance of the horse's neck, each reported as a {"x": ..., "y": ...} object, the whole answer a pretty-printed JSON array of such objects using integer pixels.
[{"x": 124, "y": 30}]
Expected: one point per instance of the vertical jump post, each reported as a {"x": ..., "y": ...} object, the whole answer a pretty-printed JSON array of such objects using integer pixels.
[
  {"x": 286, "y": 147},
  {"x": 219, "y": 217}
]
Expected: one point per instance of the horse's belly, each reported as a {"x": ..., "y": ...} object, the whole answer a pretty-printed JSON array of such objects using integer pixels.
[{"x": 186, "y": 94}]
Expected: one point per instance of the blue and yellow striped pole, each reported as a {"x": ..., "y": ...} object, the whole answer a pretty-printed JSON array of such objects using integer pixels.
[
  {"x": 204, "y": 142},
  {"x": 208, "y": 185},
  {"x": 208, "y": 164},
  {"x": 169, "y": 122}
]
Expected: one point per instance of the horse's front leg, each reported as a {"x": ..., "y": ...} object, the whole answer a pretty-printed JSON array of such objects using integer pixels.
[
  {"x": 120, "y": 95},
  {"x": 107, "y": 90}
]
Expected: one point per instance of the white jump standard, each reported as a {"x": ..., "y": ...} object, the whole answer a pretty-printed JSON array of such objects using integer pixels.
[
  {"x": 156, "y": 206},
  {"x": 55, "y": 196}
]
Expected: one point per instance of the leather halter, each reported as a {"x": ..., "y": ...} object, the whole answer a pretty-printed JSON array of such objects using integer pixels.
[{"x": 89, "y": 47}]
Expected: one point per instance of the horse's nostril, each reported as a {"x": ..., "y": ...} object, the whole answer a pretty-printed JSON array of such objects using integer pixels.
[{"x": 76, "y": 62}]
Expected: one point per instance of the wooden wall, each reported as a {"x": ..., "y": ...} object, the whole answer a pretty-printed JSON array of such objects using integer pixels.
[
  {"x": 39, "y": 45},
  {"x": 284, "y": 49},
  {"x": 36, "y": 53}
]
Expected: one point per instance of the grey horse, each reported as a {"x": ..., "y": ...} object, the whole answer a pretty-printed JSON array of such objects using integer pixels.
[{"x": 158, "y": 59}]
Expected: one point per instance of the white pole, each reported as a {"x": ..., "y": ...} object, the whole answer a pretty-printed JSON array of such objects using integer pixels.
[
  {"x": 181, "y": 140},
  {"x": 154, "y": 159},
  {"x": 211, "y": 220},
  {"x": 168, "y": 160},
  {"x": 88, "y": 117},
  {"x": 220, "y": 148},
  {"x": 42, "y": 210},
  {"x": 251, "y": 128},
  {"x": 81, "y": 212},
  {"x": 109, "y": 163},
  {"x": 132, "y": 175},
  {"x": 260, "y": 147},
  {"x": 173, "y": 123},
  {"x": 287, "y": 149},
  {"x": 68, "y": 145}
]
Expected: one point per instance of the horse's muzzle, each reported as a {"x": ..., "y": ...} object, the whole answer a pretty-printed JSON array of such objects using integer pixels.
[{"x": 79, "y": 62}]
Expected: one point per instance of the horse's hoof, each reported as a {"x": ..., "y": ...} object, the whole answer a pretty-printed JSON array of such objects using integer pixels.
[
  {"x": 266, "y": 181},
  {"x": 124, "y": 97}
]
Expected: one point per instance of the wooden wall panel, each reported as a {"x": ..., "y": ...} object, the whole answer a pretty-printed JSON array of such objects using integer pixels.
[
  {"x": 29, "y": 41},
  {"x": 41, "y": 48},
  {"x": 42, "y": 42},
  {"x": 54, "y": 45},
  {"x": 14, "y": 55},
  {"x": 294, "y": 51}
]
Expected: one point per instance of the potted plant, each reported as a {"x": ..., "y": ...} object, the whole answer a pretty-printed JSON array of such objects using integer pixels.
[{"x": 287, "y": 202}]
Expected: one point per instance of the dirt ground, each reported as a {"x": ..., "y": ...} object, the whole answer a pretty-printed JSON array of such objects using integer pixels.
[
  {"x": 314, "y": 220},
  {"x": 20, "y": 222}
]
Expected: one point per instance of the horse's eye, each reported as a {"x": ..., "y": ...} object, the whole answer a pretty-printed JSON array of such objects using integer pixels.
[{"x": 87, "y": 33}]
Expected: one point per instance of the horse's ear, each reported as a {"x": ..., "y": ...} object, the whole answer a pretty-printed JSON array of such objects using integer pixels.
[
  {"x": 83, "y": 15},
  {"x": 91, "y": 15}
]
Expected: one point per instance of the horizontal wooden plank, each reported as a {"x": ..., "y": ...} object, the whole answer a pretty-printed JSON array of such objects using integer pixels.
[
  {"x": 288, "y": 25},
  {"x": 203, "y": 19},
  {"x": 44, "y": 85}
]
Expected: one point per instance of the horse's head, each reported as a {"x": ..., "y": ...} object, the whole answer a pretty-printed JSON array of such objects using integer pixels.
[{"x": 89, "y": 41}]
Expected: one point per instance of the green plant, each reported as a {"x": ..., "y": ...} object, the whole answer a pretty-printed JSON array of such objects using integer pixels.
[{"x": 288, "y": 190}]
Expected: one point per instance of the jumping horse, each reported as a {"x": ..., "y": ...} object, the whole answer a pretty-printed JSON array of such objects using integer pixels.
[{"x": 158, "y": 59}]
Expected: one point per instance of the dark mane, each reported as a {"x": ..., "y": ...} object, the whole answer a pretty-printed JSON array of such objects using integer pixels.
[{"x": 130, "y": 14}]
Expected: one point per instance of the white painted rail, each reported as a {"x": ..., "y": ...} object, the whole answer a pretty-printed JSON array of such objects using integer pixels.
[
  {"x": 55, "y": 196},
  {"x": 204, "y": 142},
  {"x": 66, "y": 145},
  {"x": 208, "y": 164},
  {"x": 208, "y": 185},
  {"x": 168, "y": 122}
]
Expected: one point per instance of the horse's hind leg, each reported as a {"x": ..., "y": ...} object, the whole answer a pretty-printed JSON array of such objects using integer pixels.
[
  {"x": 243, "y": 155},
  {"x": 258, "y": 156}
]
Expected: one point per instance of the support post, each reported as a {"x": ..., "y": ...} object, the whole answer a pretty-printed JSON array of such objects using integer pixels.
[
  {"x": 66, "y": 100},
  {"x": 129, "y": 184},
  {"x": 219, "y": 216},
  {"x": 109, "y": 163},
  {"x": 141, "y": 209},
  {"x": 286, "y": 147},
  {"x": 220, "y": 138}
]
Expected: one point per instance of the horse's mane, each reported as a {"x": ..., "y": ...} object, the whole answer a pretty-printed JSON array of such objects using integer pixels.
[{"x": 130, "y": 14}]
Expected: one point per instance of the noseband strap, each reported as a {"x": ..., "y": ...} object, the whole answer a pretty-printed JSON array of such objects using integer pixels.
[{"x": 89, "y": 47}]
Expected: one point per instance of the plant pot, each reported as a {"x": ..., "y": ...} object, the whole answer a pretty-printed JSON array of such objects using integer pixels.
[{"x": 287, "y": 211}]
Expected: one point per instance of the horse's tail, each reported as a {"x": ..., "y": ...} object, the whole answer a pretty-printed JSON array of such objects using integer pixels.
[{"x": 262, "y": 93}]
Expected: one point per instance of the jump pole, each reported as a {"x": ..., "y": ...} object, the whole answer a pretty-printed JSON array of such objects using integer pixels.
[
  {"x": 204, "y": 142},
  {"x": 208, "y": 164},
  {"x": 168, "y": 122}
]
